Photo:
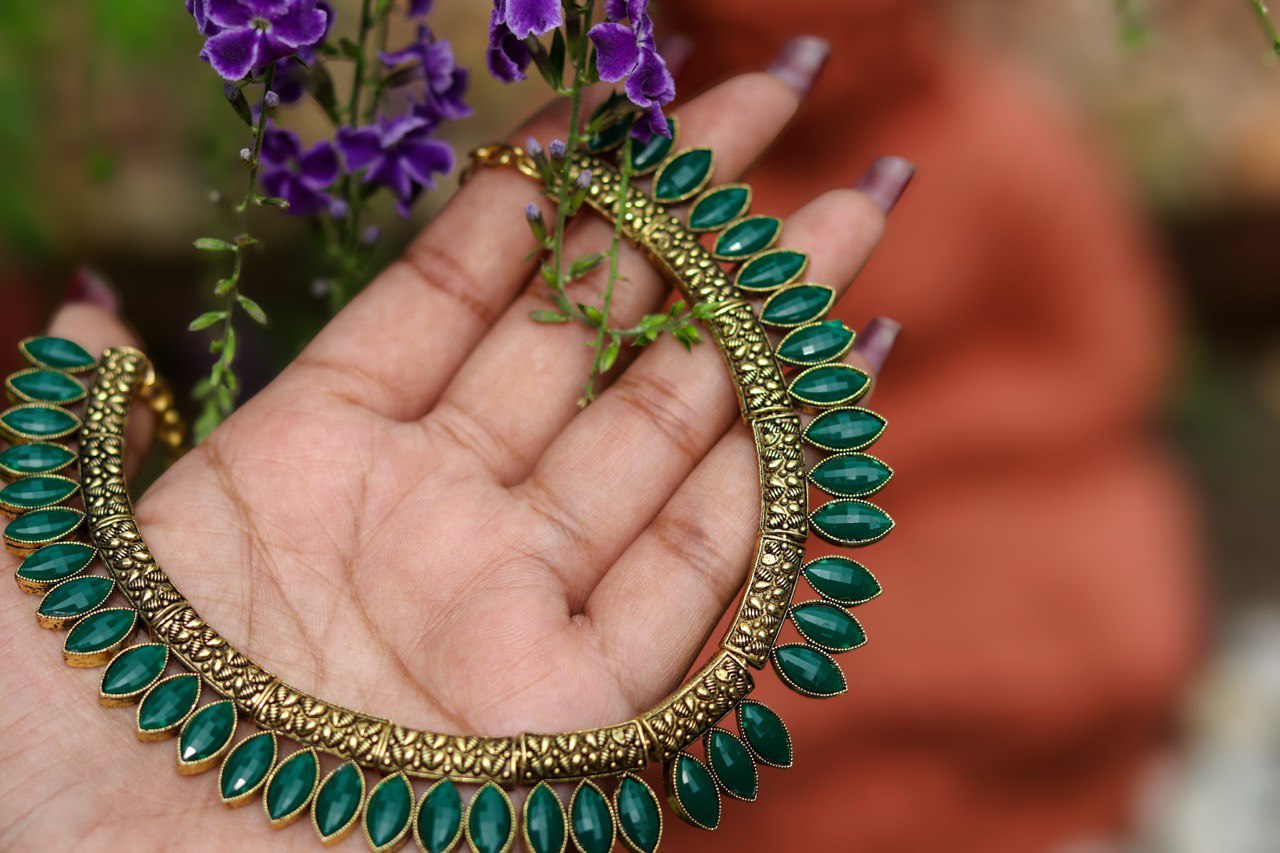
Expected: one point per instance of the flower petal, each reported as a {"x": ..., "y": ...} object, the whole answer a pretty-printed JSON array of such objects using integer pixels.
[
  {"x": 507, "y": 56},
  {"x": 651, "y": 83},
  {"x": 225, "y": 13},
  {"x": 423, "y": 160},
  {"x": 280, "y": 146},
  {"x": 359, "y": 147},
  {"x": 301, "y": 26},
  {"x": 533, "y": 17},
  {"x": 419, "y": 8},
  {"x": 319, "y": 167},
  {"x": 616, "y": 50},
  {"x": 615, "y": 10},
  {"x": 233, "y": 53}
]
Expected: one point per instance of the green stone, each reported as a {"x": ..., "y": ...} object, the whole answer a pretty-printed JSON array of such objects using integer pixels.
[
  {"x": 37, "y": 422},
  {"x": 544, "y": 823},
  {"x": 76, "y": 597},
  {"x": 36, "y": 493},
  {"x": 24, "y": 460},
  {"x": 591, "y": 819},
  {"x": 207, "y": 732},
  {"x": 772, "y": 270},
  {"x": 829, "y": 385},
  {"x": 291, "y": 785},
  {"x": 745, "y": 238},
  {"x": 844, "y": 429},
  {"x": 386, "y": 817},
  {"x": 440, "y": 818},
  {"x": 57, "y": 353},
  {"x": 247, "y": 766},
  {"x": 851, "y": 522},
  {"x": 694, "y": 793},
  {"x": 338, "y": 800},
  {"x": 684, "y": 175},
  {"x": 841, "y": 580},
  {"x": 46, "y": 386},
  {"x": 796, "y": 305},
  {"x": 168, "y": 703},
  {"x": 850, "y": 475},
  {"x": 732, "y": 765},
  {"x": 765, "y": 734},
  {"x": 809, "y": 671},
  {"x": 828, "y": 626},
  {"x": 99, "y": 631},
  {"x": 490, "y": 824},
  {"x": 53, "y": 563},
  {"x": 134, "y": 670},
  {"x": 639, "y": 818},
  {"x": 814, "y": 344},
  {"x": 720, "y": 206},
  {"x": 645, "y": 156},
  {"x": 43, "y": 525},
  {"x": 609, "y": 138}
]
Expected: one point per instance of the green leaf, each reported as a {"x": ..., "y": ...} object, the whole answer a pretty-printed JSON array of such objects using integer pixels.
[
  {"x": 270, "y": 201},
  {"x": 223, "y": 287},
  {"x": 549, "y": 275},
  {"x": 253, "y": 309},
  {"x": 584, "y": 265},
  {"x": 229, "y": 353},
  {"x": 610, "y": 354},
  {"x": 548, "y": 317},
  {"x": 321, "y": 87},
  {"x": 349, "y": 48},
  {"x": 557, "y": 57},
  {"x": 593, "y": 315},
  {"x": 400, "y": 77},
  {"x": 705, "y": 310},
  {"x": 241, "y": 106},
  {"x": 213, "y": 244},
  {"x": 206, "y": 320}
]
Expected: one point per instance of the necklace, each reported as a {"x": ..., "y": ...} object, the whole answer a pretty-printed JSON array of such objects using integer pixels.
[{"x": 611, "y": 802}]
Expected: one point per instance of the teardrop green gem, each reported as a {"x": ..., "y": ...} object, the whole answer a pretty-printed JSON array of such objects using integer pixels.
[
  {"x": 247, "y": 766},
  {"x": 829, "y": 626},
  {"x": 35, "y": 422},
  {"x": 386, "y": 817},
  {"x": 489, "y": 821},
  {"x": 797, "y": 305},
  {"x": 829, "y": 385},
  {"x": 851, "y": 522},
  {"x": 43, "y": 525},
  {"x": 683, "y": 176},
  {"x": 745, "y": 238},
  {"x": 734, "y": 768},
  {"x": 440, "y": 818},
  {"x": 24, "y": 460},
  {"x": 809, "y": 671},
  {"x": 338, "y": 800},
  {"x": 57, "y": 353},
  {"x": 695, "y": 793},
  {"x": 718, "y": 207},
  {"x": 208, "y": 731},
  {"x": 772, "y": 270},
  {"x": 101, "y": 630},
  {"x": 645, "y": 156},
  {"x": 76, "y": 597},
  {"x": 844, "y": 429},
  {"x": 46, "y": 386},
  {"x": 134, "y": 669},
  {"x": 814, "y": 344},
  {"x": 56, "y": 562},
  {"x": 841, "y": 580},
  {"x": 765, "y": 733},
  {"x": 639, "y": 818},
  {"x": 591, "y": 819},
  {"x": 292, "y": 784},
  {"x": 36, "y": 493},
  {"x": 544, "y": 822},
  {"x": 850, "y": 475},
  {"x": 168, "y": 703}
]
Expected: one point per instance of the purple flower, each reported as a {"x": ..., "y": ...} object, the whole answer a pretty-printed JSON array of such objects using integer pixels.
[
  {"x": 398, "y": 153},
  {"x": 628, "y": 51},
  {"x": 507, "y": 55},
  {"x": 419, "y": 8},
  {"x": 432, "y": 61},
  {"x": 248, "y": 34},
  {"x": 299, "y": 177},
  {"x": 526, "y": 18}
]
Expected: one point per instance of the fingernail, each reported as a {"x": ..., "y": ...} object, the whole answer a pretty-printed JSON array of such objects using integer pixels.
[
  {"x": 876, "y": 340},
  {"x": 89, "y": 288},
  {"x": 675, "y": 50},
  {"x": 886, "y": 180},
  {"x": 800, "y": 61}
]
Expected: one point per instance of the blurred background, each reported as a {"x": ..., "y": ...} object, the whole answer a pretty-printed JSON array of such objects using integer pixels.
[{"x": 113, "y": 137}]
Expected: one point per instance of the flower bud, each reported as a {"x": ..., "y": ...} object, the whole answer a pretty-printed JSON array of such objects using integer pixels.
[
  {"x": 271, "y": 99},
  {"x": 583, "y": 181},
  {"x": 245, "y": 154},
  {"x": 558, "y": 149},
  {"x": 537, "y": 224},
  {"x": 532, "y": 148}
]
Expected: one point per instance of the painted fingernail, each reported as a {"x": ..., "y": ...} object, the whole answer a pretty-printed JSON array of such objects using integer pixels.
[
  {"x": 876, "y": 340},
  {"x": 89, "y": 288},
  {"x": 800, "y": 62},
  {"x": 675, "y": 50},
  {"x": 887, "y": 180}
]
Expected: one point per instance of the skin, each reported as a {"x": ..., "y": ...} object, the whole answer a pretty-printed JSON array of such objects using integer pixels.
[{"x": 415, "y": 518}]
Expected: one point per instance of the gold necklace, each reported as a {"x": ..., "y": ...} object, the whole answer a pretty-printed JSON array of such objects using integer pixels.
[{"x": 41, "y": 425}]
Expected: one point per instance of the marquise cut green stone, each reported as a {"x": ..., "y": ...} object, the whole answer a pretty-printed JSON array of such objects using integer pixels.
[
  {"x": 338, "y": 800},
  {"x": 291, "y": 786},
  {"x": 440, "y": 818},
  {"x": 168, "y": 703},
  {"x": 645, "y": 156},
  {"x": 544, "y": 823},
  {"x": 841, "y": 580},
  {"x": 43, "y": 525},
  {"x": 46, "y": 386},
  {"x": 683, "y": 176},
  {"x": 57, "y": 353},
  {"x": 829, "y": 385},
  {"x": 592, "y": 820},
  {"x": 816, "y": 343},
  {"x": 796, "y": 305},
  {"x": 743, "y": 239},
  {"x": 208, "y": 731},
  {"x": 717, "y": 208},
  {"x": 34, "y": 422},
  {"x": 36, "y": 493},
  {"x": 844, "y": 429},
  {"x": 76, "y": 597},
  {"x": 25, "y": 460},
  {"x": 809, "y": 671},
  {"x": 828, "y": 626},
  {"x": 134, "y": 669},
  {"x": 850, "y": 475},
  {"x": 772, "y": 270},
  {"x": 639, "y": 818},
  {"x": 851, "y": 522},
  {"x": 56, "y": 562},
  {"x": 609, "y": 138},
  {"x": 247, "y": 766},
  {"x": 386, "y": 817},
  {"x": 733, "y": 766},
  {"x": 101, "y": 630},
  {"x": 490, "y": 824},
  {"x": 695, "y": 792},
  {"x": 765, "y": 733}
]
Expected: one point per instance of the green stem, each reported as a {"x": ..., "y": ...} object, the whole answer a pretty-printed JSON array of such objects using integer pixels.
[
  {"x": 603, "y": 333},
  {"x": 1268, "y": 26}
]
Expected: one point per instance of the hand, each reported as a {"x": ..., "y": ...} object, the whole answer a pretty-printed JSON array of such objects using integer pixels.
[{"x": 416, "y": 520}]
